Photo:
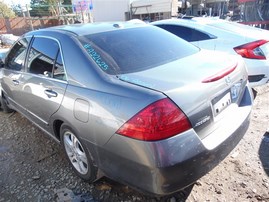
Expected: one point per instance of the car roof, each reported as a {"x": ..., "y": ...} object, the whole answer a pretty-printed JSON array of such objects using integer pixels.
[
  {"x": 218, "y": 25},
  {"x": 190, "y": 21},
  {"x": 207, "y": 20},
  {"x": 92, "y": 28}
]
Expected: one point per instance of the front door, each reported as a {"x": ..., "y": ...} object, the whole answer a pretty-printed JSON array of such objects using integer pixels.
[{"x": 14, "y": 67}]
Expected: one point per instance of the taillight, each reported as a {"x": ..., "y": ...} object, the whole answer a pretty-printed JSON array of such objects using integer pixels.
[
  {"x": 220, "y": 74},
  {"x": 252, "y": 50},
  {"x": 159, "y": 120}
]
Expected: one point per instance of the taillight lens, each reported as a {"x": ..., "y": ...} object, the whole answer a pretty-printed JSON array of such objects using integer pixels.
[
  {"x": 159, "y": 120},
  {"x": 252, "y": 50},
  {"x": 219, "y": 75}
]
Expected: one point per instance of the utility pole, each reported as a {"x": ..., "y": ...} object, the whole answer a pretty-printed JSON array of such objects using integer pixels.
[{"x": 29, "y": 17}]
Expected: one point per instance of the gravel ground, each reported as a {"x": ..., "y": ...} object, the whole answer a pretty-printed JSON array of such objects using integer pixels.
[{"x": 33, "y": 167}]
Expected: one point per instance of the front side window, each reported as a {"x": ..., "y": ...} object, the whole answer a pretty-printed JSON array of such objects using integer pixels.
[
  {"x": 16, "y": 57},
  {"x": 135, "y": 49},
  {"x": 45, "y": 58}
]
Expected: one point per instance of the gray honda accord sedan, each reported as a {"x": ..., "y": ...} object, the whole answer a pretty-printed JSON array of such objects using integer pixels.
[{"x": 129, "y": 100}]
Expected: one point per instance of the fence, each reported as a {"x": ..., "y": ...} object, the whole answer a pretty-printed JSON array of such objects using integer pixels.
[
  {"x": 254, "y": 13},
  {"x": 259, "y": 24},
  {"x": 250, "y": 12},
  {"x": 21, "y": 25},
  {"x": 37, "y": 17}
]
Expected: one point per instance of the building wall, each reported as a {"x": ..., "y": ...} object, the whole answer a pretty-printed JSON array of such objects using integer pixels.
[
  {"x": 154, "y": 9},
  {"x": 109, "y": 10},
  {"x": 152, "y": 16},
  {"x": 151, "y": 6}
]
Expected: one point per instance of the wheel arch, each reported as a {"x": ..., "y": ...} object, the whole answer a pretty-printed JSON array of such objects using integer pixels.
[
  {"x": 57, "y": 123},
  {"x": 57, "y": 127},
  {"x": 96, "y": 172}
]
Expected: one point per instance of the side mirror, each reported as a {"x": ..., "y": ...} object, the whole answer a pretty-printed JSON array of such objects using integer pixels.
[
  {"x": 3, "y": 55},
  {"x": 2, "y": 63}
]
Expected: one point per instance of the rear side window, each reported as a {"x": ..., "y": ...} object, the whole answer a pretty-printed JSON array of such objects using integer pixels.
[
  {"x": 187, "y": 33},
  {"x": 45, "y": 58},
  {"x": 135, "y": 49},
  {"x": 16, "y": 57}
]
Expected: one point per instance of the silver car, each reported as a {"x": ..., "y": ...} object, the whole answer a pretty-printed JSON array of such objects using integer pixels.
[
  {"x": 221, "y": 35},
  {"x": 130, "y": 100}
]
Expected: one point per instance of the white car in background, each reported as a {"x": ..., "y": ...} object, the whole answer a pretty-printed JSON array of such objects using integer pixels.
[
  {"x": 3, "y": 53},
  {"x": 221, "y": 35}
]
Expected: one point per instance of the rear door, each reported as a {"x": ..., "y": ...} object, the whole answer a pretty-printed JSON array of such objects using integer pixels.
[{"x": 44, "y": 82}]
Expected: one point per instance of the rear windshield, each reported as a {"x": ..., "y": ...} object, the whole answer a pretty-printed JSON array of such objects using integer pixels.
[{"x": 135, "y": 49}]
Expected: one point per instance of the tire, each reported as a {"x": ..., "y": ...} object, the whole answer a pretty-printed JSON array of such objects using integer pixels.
[
  {"x": 4, "y": 105},
  {"x": 77, "y": 154}
]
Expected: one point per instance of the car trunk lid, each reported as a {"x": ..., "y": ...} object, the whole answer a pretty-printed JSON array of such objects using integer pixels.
[{"x": 183, "y": 81}]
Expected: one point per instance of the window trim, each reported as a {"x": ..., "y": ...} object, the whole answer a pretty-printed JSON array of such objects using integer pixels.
[
  {"x": 58, "y": 52},
  {"x": 26, "y": 55}
]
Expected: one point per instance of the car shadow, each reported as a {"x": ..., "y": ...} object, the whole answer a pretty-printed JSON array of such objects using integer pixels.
[
  {"x": 264, "y": 152},
  {"x": 125, "y": 192}
]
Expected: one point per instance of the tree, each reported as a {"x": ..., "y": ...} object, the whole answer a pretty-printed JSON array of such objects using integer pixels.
[
  {"x": 67, "y": 2},
  {"x": 47, "y": 7},
  {"x": 67, "y": 5},
  {"x": 5, "y": 11},
  {"x": 39, "y": 8},
  {"x": 17, "y": 9}
]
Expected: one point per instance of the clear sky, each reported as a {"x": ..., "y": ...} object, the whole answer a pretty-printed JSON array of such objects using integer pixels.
[
  {"x": 24, "y": 2},
  {"x": 16, "y": 2}
]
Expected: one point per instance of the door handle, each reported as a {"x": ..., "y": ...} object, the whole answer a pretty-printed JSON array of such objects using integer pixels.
[
  {"x": 15, "y": 82},
  {"x": 50, "y": 93}
]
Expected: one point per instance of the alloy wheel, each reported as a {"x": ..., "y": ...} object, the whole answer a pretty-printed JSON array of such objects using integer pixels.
[{"x": 75, "y": 153}]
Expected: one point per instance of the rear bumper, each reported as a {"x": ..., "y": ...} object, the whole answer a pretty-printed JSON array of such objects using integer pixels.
[
  {"x": 258, "y": 71},
  {"x": 257, "y": 80},
  {"x": 164, "y": 167}
]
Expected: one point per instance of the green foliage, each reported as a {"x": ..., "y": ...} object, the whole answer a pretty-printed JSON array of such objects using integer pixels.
[
  {"x": 68, "y": 6},
  {"x": 17, "y": 9},
  {"x": 39, "y": 8},
  {"x": 5, "y": 11},
  {"x": 48, "y": 7},
  {"x": 67, "y": 2}
]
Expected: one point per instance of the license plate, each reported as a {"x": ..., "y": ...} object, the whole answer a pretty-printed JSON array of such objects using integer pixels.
[{"x": 221, "y": 104}]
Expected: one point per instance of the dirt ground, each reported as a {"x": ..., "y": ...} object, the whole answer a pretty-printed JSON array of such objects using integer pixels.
[{"x": 33, "y": 167}]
